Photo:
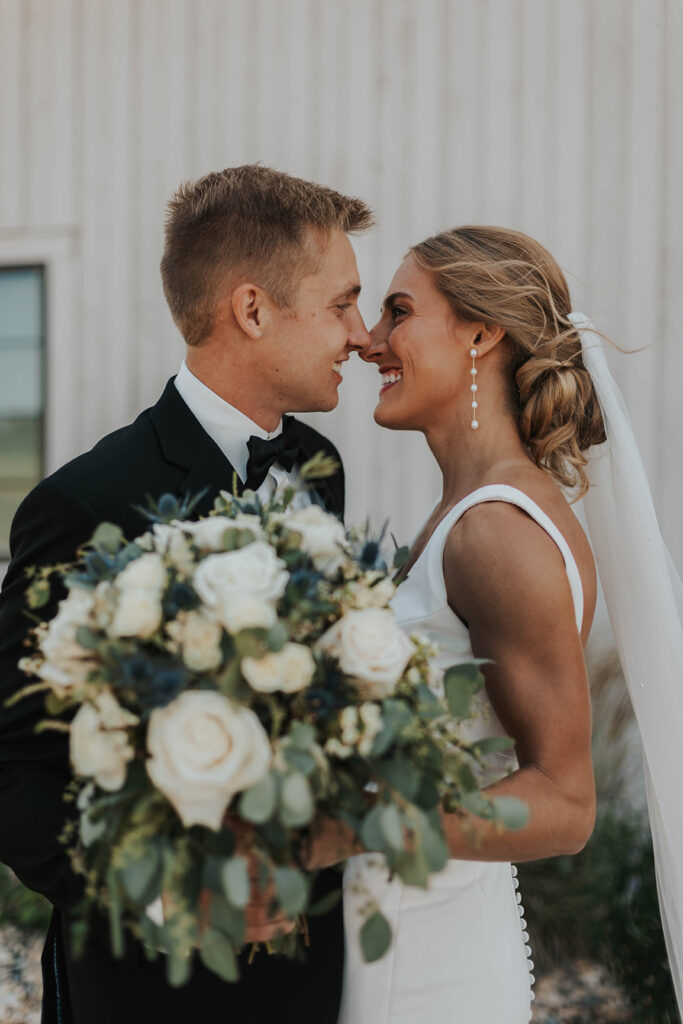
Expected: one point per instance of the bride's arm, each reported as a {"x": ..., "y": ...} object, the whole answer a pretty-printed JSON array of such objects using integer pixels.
[{"x": 506, "y": 579}]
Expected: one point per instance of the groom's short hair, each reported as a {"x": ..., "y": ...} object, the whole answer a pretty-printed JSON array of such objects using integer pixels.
[{"x": 246, "y": 223}]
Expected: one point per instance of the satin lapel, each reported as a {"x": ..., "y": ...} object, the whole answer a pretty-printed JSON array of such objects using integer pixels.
[
  {"x": 185, "y": 443},
  {"x": 328, "y": 490}
]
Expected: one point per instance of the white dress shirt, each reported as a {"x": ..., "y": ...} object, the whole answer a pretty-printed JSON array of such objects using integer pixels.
[{"x": 231, "y": 430}]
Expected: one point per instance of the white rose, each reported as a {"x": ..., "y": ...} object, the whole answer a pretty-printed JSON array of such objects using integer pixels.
[
  {"x": 377, "y": 596},
  {"x": 204, "y": 749},
  {"x": 243, "y": 611},
  {"x": 371, "y": 648},
  {"x": 240, "y": 588},
  {"x": 146, "y": 572},
  {"x": 322, "y": 536},
  {"x": 289, "y": 669},
  {"x": 199, "y": 639},
  {"x": 98, "y": 745},
  {"x": 170, "y": 540},
  {"x": 138, "y": 613},
  {"x": 208, "y": 533},
  {"x": 66, "y": 662}
]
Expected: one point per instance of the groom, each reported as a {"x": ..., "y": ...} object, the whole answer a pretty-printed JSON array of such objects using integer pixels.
[{"x": 261, "y": 280}]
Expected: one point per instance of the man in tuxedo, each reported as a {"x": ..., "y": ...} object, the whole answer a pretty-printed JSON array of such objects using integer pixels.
[{"x": 261, "y": 280}]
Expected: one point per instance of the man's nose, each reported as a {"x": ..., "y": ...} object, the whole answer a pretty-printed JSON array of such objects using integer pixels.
[{"x": 359, "y": 338}]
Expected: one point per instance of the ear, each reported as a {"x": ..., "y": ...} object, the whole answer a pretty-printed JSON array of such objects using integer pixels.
[
  {"x": 485, "y": 337},
  {"x": 251, "y": 309}
]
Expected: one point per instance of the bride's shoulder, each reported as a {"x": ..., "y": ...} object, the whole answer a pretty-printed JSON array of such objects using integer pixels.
[{"x": 499, "y": 550}]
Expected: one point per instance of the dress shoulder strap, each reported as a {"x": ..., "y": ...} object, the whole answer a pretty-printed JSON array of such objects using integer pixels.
[{"x": 503, "y": 492}]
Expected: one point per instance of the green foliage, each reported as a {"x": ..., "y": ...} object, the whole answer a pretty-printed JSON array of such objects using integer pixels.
[
  {"x": 375, "y": 937},
  {"x": 19, "y": 906},
  {"x": 602, "y": 903}
]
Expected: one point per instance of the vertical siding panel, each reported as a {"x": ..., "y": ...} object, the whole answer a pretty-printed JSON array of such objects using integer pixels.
[
  {"x": 234, "y": 86},
  {"x": 537, "y": 191},
  {"x": 499, "y": 79},
  {"x": 667, "y": 422},
  {"x": 609, "y": 51},
  {"x": 642, "y": 265},
  {"x": 50, "y": 112},
  {"x": 161, "y": 165},
  {"x": 570, "y": 191},
  {"x": 107, "y": 340},
  {"x": 12, "y": 125},
  {"x": 461, "y": 200}
]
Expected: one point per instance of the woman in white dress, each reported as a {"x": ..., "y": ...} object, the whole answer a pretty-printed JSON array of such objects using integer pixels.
[{"x": 477, "y": 351}]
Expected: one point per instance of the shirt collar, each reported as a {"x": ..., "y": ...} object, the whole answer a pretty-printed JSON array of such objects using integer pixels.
[{"x": 225, "y": 424}]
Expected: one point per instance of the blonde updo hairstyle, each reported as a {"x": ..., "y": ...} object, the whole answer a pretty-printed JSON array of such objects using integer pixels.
[{"x": 503, "y": 277}]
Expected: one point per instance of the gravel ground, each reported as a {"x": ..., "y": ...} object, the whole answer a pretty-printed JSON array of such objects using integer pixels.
[
  {"x": 21, "y": 984},
  {"x": 581, "y": 994}
]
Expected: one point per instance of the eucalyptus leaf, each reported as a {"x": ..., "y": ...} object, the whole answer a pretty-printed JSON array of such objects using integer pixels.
[
  {"x": 493, "y": 744},
  {"x": 297, "y": 803},
  {"x": 371, "y": 832},
  {"x": 227, "y": 919},
  {"x": 512, "y": 812},
  {"x": 302, "y": 735},
  {"x": 235, "y": 879},
  {"x": 375, "y": 937},
  {"x": 474, "y": 802},
  {"x": 300, "y": 760},
  {"x": 291, "y": 889},
  {"x": 392, "y": 826},
  {"x": 412, "y": 867},
  {"x": 459, "y": 689},
  {"x": 87, "y": 638},
  {"x": 326, "y": 903},
  {"x": 401, "y": 556},
  {"x": 257, "y": 804},
  {"x": 115, "y": 910},
  {"x": 178, "y": 969},
  {"x": 108, "y": 536},
  {"x": 218, "y": 955},
  {"x": 139, "y": 876},
  {"x": 434, "y": 848},
  {"x": 277, "y": 636},
  {"x": 400, "y": 774}
]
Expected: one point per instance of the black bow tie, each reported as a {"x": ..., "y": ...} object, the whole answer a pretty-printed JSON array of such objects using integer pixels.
[{"x": 282, "y": 449}]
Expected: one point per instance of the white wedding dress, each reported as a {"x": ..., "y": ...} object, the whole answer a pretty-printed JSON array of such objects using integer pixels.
[{"x": 459, "y": 953}]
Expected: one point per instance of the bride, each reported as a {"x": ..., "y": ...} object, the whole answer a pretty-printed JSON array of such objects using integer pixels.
[{"x": 478, "y": 349}]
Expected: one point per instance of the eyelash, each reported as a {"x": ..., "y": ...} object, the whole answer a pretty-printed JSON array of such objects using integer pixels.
[
  {"x": 397, "y": 312},
  {"x": 343, "y": 306}
]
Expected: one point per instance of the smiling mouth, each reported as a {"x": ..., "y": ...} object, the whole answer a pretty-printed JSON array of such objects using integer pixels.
[
  {"x": 338, "y": 370},
  {"x": 390, "y": 380}
]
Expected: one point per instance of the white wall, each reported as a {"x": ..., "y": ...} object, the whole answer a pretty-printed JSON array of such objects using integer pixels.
[{"x": 559, "y": 117}]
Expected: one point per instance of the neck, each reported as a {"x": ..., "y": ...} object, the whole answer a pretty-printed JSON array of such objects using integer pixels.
[
  {"x": 470, "y": 458},
  {"x": 236, "y": 382}
]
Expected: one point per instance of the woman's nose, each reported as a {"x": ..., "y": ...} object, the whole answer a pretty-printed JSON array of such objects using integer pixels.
[{"x": 377, "y": 344}]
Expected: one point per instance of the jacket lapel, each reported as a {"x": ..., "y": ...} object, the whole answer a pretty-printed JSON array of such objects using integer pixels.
[{"x": 185, "y": 444}]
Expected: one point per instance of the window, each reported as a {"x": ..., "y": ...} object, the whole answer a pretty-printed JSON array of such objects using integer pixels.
[{"x": 22, "y": 373}]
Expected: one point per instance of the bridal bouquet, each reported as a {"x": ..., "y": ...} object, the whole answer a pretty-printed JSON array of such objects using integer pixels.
[{"x": 235, "y": 680}]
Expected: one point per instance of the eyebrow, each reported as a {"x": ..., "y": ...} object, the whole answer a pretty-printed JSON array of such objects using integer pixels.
[
  {"x": 353, "y": 289},
  {"x": 395, "y": 295}
]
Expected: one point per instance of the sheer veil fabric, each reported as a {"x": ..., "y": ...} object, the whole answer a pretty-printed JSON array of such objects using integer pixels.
[{"x": 644, "y": 597}]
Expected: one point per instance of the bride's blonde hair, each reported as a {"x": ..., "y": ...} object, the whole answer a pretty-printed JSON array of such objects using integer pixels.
[{"x": 503, "y": 277}]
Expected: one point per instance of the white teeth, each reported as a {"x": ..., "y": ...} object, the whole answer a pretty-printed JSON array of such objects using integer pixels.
[
  {"x": 338, "y": 369},
  {"x": 391, "y": 378}
]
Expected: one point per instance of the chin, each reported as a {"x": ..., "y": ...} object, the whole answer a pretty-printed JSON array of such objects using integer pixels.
[{"x": 384, "y": 418}]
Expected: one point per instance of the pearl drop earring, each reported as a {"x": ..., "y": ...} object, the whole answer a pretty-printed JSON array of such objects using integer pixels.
[{"x": 474, "y": 389}]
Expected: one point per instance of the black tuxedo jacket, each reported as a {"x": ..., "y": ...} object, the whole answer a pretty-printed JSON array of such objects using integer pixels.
[{"x": 165, "y": 450}]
